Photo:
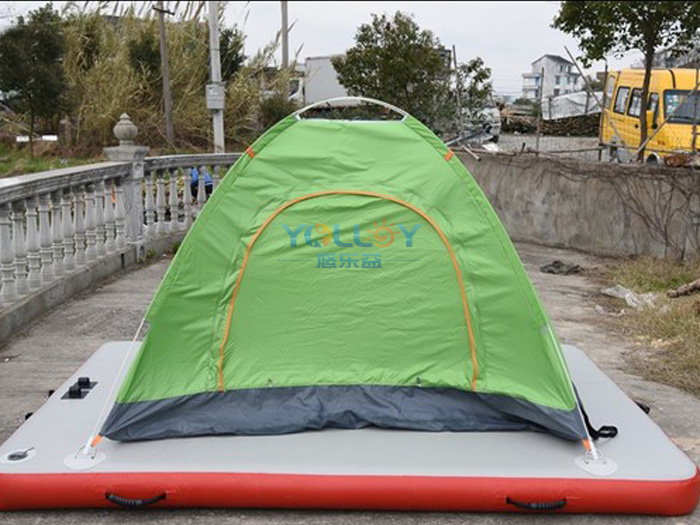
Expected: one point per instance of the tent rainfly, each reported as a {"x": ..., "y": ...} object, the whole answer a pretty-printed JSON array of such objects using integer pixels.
[{"x": 346, "y": 274}]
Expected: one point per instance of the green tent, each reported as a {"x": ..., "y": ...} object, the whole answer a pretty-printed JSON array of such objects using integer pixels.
[{"x": 346, "y": 274}]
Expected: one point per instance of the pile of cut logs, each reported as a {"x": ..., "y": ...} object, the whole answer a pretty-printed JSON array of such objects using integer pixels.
[{"x": 581, "y": 126}]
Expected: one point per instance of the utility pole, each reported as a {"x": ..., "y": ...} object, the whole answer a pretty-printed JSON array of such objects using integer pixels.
[
  {"x": 695, "y": 96},
  {"x": 285, "y": 36},
  {"x": 165, "y": 67},
  {"x": 458, "y": 89},
  {"x": 601, "y": 121},
  {"x": 539, "y": 113},
  {"x": 215, "y": 90}
]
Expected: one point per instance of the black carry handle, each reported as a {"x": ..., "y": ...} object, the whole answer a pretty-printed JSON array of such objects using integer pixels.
[
  {"x": 134, "y": 503},
  {"x": 606, "y": 431},
  {"x": 538, "y": 505}
]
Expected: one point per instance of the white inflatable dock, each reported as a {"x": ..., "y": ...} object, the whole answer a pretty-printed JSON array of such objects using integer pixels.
[{"x": 642, "y": 470}]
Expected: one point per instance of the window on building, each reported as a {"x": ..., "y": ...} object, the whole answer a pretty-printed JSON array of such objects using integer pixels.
[
  {"x": 621, "y": 100},
  {"x": 635, "y": 103},
  {"x": 557, "y": 80},
  {"x": 556, "y": 92}
]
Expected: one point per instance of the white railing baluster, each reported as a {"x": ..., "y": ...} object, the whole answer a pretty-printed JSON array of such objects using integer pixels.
[
  {"x": 46, "y": 254},
  {"x": 149, "y": 206},
  {"x": 18, "y": 222},
  {"x": 119, "y": 215},
  {"x": 57, "y": 233},
  {"x": 90, "y": 233},
  {"x": 160, "y": 201},
  {"x": 110, "y": 220},
  {"x": 79, "y": 211},
  {"x": 216, "y": 176},
  {"x": 173, "y": 203},
  {"x": 7, "y": 256},
  {"x": 68, "y": 231},
  {"x": 33, "y": 247},
  {"x": 187, "y": 197},
  {"x": 100, "y": 250},
  {"x": 201, "y": 190}
]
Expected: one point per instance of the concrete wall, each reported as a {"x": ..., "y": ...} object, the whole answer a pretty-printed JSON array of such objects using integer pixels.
[{"x": 601, "y": 208}]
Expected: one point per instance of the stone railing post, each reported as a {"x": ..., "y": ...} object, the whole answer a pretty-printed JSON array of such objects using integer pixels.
[
  {"x": 33, "y": 245},
  {"x": 128, "y": 151},
  {"x": 46, "y": 252},
  {"x": 79, "y": 237},
  {"x": 18, "y": 221},
  {"x": 7, "y": 256},
  {"x": 68, "y": 234},
  {"x": 90, "y": 232},
  {"x": 57, "y": 232},
  {"x": 110, "y": 217},
  {"x": 100, "y": 230}
]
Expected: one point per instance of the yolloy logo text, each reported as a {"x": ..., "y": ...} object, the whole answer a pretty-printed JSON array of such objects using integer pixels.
[{"x": 381, "y": 236}]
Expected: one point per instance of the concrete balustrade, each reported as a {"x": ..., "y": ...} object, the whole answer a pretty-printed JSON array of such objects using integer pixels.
[
  {"x": 110, "y": 224},
  {"x": 33, "y": 254},
  {"x": 48, "y": 270},
  {"x": 160, "y": 202},
  {"x": 57, "y": 234},
  {"x": 62, "y": 231},
  {"x": 20, "y": 246}
]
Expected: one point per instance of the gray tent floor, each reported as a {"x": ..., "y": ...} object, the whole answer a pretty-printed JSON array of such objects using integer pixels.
[{"x": 60, "y": 427}]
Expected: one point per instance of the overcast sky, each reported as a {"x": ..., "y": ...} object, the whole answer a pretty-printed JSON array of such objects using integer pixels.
[{"x": 507, "y": 35}]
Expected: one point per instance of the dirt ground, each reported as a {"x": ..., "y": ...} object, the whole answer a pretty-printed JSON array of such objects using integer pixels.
[{"x": 53, "y": 347}]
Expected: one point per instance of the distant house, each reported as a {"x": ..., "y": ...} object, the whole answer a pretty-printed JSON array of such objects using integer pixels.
[
  {"x": 689, "y": 58},
  {"x": 559, "y": 78}
]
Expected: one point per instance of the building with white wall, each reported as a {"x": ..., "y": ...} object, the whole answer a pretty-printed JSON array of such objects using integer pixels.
[{"x": 559, "y": 78}]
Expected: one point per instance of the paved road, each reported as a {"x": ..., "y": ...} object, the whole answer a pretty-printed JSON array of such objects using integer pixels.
[{"x": 53, "y": 347}]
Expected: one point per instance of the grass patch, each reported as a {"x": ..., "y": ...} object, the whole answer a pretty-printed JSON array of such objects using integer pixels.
[
  {"x": 667, "y": 334},
  {"x": 17, "y": 161},
  {"x": 649, "y": 274},
  {"x": 669, "y": 343}
]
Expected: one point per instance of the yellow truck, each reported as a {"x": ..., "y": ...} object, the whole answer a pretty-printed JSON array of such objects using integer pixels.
[{"x": 672, "y": 113}]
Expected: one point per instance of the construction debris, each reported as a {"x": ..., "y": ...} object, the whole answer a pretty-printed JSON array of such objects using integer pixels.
[
  {"x": 686, "y": 289},
  {"x": 561, "y": 268},
  {"x": 633, "y": 299}
]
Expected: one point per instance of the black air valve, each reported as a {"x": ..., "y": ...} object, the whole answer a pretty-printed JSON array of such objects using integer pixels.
[{"x": 79, "y": 389}]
